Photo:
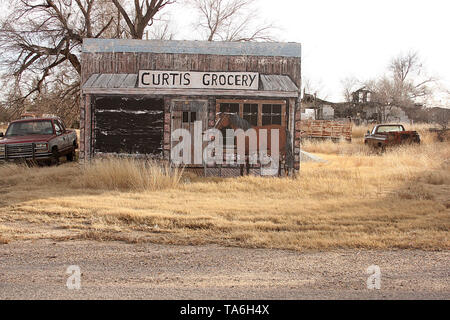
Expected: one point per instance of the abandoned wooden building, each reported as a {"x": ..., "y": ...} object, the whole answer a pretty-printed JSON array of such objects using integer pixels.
[{"x": 136, "y": 92}]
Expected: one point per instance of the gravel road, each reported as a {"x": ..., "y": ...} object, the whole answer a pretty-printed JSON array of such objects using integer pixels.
[{"x": 115, "y": 270}]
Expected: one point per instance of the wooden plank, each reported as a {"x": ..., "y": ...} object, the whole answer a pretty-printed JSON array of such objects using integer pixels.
[
  {"x": 145, "y": 61},
  {"x": 164, "y": 61},
  {"x": 252, "y": 64},
  {"x": 260, "y": 114},
  {"x": 203, "y": 62},
  {"x": 219, "y": 63},
  {"x": 125, "y": 62},
  {"x": 237, "y": 63}
]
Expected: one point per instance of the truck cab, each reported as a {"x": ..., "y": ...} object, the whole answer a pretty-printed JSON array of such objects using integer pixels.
[
  {"x": 384, "y": 135},
  {"x": 38, "y": 140}
]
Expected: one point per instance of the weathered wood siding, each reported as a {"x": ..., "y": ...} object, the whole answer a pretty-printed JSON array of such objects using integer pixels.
[
  {"x": 92, "y": 121},
  {"x": 126, "y": 62}
]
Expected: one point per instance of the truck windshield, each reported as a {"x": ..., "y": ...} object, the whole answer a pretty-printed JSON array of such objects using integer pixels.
[
  {"x": 29, "y": 128},
  {"x": 395, "y": 128}
]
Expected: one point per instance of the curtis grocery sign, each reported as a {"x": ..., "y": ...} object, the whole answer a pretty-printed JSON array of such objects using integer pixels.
[{"x": 198, "y": 80}]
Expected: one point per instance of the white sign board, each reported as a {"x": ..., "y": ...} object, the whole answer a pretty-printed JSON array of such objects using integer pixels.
[{"x": 198, "y": 80}]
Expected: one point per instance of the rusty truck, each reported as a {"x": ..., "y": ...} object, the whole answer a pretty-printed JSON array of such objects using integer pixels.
[{"x": 385, "y": 135}]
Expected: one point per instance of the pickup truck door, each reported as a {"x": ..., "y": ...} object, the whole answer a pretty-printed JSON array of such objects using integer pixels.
[{"x": 61, "y": 137}]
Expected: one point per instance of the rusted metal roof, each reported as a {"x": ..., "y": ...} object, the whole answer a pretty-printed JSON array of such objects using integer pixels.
[
  {"x": 271, "y": 49},
  {"x": 277, "y": 83}
]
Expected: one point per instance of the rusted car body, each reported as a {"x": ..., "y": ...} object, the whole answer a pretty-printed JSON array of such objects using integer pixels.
[{"x": 385, "y": 135}]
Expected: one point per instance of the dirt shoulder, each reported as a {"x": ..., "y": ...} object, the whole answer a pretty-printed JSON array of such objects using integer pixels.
[{"x": 116, "y": 270}]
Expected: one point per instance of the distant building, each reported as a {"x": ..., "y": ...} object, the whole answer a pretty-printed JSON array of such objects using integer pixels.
[
  {"x": 361, "y": 109},
  {"x": 362, "y": 95}
]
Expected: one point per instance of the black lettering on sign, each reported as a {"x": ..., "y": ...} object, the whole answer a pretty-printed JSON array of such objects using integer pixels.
[
  {"x": 206, "y": 82},
  {"x": 214, "y": 80},
  {"x": 229, "y": 81},
  {"x": 165, "y": 79},
  {"x": 154, "y": 81},
  {"x": 222, "y": 80},
  {"x": 187, "y": 79},
  {"x": 244, "y": 80},
  {"x": 197, "y": 80},
  {"x": 174, "y": 76},
  {"x": 142, "y": 78},
  {"x": 238, "y": 80},
  {"x": 252, "y": 79}
]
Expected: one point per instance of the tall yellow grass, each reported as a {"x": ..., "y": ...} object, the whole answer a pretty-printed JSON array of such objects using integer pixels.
[
  {"x": 357, "y": 147},
  {"x": 356, "y": 199},
  {"x": 129, "y": 174},
  {"x": 107, "y": 174}
]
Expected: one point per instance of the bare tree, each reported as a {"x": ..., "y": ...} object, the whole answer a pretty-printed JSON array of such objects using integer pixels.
[
  {"x": 231, "y": 20},
  {"x": 142, "y": 16},
  {"x": 40, "y": 36},
  {"x": 406, "y": 85},
  {"x": 42, "y": 39},
  {"x": 3, "y": 114},
  {"x": 349, "y": 85},
  {"x": 161, "y": 29},
  {"x": 314, "y": 87},
  {"x": 409, "y": 80}
]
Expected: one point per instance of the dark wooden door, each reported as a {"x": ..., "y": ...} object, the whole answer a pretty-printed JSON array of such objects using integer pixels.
[
  {"x": 184, "y": 115},
  {"x": 128, "y": 125}
]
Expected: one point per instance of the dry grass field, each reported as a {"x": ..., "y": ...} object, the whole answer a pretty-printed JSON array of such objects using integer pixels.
[{"x": 356, "y": 199}]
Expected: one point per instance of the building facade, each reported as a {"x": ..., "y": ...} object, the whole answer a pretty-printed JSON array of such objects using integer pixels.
[{"x": 135, "y": 93}]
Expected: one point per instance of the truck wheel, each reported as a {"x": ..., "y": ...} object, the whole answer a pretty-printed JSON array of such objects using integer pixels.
[
  {"x": 55, "y": 156},
  {"x": 71, "y": 156}
]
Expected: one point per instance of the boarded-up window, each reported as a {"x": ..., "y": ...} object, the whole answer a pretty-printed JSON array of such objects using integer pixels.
[{"x": 131, "y": 125}]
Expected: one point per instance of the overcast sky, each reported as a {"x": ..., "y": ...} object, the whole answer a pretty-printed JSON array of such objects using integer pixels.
[
  {"x": 357, "y": 38},
  {"x": 350, "y": 37}
]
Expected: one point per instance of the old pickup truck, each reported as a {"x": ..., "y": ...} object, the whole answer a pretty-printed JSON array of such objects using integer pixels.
[
  {"x": 384, "y": 135},
  {"x": 41, "y": 140}
]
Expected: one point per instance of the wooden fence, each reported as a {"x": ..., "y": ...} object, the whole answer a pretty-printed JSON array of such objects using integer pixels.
[{"x": 326, "y": 129}]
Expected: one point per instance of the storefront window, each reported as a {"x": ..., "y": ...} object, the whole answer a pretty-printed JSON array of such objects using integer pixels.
[
  {"x": 189, "y": 117},
  {"x": 251, "y": 113},
  {"x": 229, "y": 107},
  {"x": 256, "y": 112},
  {"x": 271, "y": 114}
]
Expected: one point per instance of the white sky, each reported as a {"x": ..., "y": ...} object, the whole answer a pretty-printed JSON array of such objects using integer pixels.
[
  {"x": 356, "y": 38},
  {"x": 352, "y": 38}
]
